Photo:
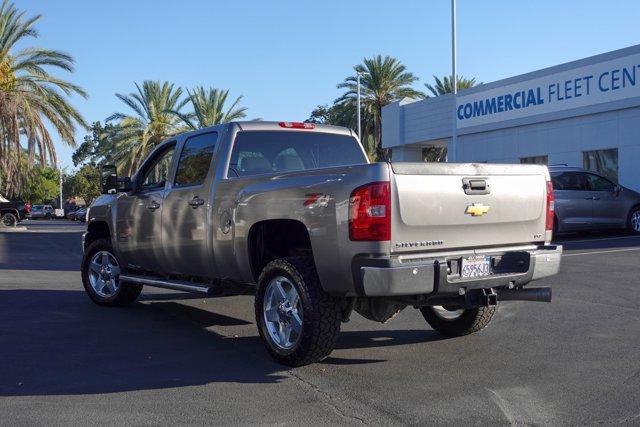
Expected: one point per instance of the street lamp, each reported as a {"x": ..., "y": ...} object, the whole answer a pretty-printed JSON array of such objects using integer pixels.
[
  {"x": 60, "y": 181},
  {"x": 454, "y": 85}
]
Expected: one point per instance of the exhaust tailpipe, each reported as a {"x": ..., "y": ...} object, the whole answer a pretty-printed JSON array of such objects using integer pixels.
[{"x": 531, "y": 294}]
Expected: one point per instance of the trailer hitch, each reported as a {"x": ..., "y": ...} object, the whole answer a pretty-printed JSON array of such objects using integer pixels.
[{"x": 481, "y": 298}]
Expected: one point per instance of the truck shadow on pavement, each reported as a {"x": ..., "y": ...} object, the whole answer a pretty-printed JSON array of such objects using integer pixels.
[{"x": 57, "y": 342}]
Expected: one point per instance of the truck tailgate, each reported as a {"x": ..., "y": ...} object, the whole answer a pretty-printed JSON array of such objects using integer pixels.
[{"x": 439, "y": 206}]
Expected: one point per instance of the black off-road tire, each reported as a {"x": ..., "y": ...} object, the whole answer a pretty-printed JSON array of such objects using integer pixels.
[
  {"x": 630, "y": 228},
  {"x": 125, "y": 295},
  {"x": 8, "y": 220},
  {"x": 321, "y": 312},
  {"x": 470, "y": 321}
]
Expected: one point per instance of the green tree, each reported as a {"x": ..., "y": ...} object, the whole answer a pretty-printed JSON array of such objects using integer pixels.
[
  {"x": 42, "y": 185},
  {"x": 98, "y": 147},
  {"x": 154, "y": 106},
  {"x": 383, "y": 80},
  {"x": 210, "y": 108},
  {"x": 32, "y": 100},
  {"x": 444, "y": 85},
  {"x": 84, "y": 183}
]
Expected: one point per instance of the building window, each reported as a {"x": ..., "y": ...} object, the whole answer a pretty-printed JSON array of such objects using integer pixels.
[
  {"x": 604, "y": 162},
  {"x": 535, "y": 160},
  {"x": 434, "y": 154}
]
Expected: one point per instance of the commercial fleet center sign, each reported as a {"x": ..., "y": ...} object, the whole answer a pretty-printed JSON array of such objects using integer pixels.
[{"x": 607, "y": 81}]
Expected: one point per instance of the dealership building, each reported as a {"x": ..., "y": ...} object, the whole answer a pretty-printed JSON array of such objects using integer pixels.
[{"x": 583, "y": 113}]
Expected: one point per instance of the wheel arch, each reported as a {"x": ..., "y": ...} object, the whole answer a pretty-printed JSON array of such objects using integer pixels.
[
  {"x": 276, "y": 238},
  {"x": 13, "y": 211},
  {"x": 96, "y": 230}
]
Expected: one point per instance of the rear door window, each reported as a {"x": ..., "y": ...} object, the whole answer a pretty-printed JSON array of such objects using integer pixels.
[
  {"x": 260, "y": 152},
  {"x": 195, "y": 160}
]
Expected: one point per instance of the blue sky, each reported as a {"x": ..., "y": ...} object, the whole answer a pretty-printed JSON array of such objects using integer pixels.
[{"x": 286, "y": 57}]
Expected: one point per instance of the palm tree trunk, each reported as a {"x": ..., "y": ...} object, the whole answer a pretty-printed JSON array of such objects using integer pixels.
[
  {"x": 31, "y": 147},
  {"x": 381, "y": 153}
]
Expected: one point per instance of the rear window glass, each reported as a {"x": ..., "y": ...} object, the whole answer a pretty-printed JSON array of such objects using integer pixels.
[{"x": 259, "y": 152}]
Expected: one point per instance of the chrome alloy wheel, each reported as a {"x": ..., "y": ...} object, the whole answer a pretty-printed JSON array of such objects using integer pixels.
[
  {"x": 282, "y": 311},
  {"x": 103, "y": 274},
  {"x": 635, "y": 221},
  {"x": 447, "y": 313}
]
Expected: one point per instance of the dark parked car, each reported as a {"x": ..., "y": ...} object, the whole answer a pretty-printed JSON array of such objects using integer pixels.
[
  {"x": 78, "y": 215},
  {"x": 587, "y": 201},
  {"x": 11, "y": 213}
]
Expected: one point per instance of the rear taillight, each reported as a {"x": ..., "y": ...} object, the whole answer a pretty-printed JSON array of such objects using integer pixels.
[
  {"x": 370, "y": 212},
  {"x": 551, "y": 207},
  {"x": 297, "y": 125},
  {"x": 27, "y": 208}
]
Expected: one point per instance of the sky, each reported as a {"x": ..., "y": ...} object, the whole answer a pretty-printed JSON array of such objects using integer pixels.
[{"x": 286, "y": 57}]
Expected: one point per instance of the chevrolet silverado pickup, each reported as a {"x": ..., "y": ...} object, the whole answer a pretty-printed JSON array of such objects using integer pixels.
[{"x": 298, "y": 210}]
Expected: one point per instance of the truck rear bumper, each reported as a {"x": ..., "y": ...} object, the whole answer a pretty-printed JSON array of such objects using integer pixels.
[{"x": 438, "y": 275}]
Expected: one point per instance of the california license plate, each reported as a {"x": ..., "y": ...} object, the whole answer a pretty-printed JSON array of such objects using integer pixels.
[{"x": 476, "y": 266}]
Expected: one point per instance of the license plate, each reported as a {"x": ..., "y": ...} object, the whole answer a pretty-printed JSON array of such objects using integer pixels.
[{"x": 478, "y": 266}]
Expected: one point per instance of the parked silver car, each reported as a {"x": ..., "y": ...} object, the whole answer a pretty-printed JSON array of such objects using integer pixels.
[
  {"x": 586, "y": 200},
  {"x": 42, "y": 211}
]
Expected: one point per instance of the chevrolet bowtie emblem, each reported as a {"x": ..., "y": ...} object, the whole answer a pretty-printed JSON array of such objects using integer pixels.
[{"x": 477, "y": 209}]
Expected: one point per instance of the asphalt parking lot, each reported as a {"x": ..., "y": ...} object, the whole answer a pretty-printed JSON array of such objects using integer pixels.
[{"x": 182, "y": 359}]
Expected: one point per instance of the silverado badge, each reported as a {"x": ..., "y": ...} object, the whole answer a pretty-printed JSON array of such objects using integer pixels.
[{"x": 477, "y": 209}]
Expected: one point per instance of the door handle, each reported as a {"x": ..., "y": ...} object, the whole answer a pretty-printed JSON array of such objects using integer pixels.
[
  {"x": 153, "y": 206},
  {"x": 195, "y": 202},
  {"x": 596, "y": 198},
  {"x": 589, "y": 198}
]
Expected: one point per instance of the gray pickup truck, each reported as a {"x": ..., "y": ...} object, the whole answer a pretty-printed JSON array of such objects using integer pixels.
[{"x": 297, "y": 209}]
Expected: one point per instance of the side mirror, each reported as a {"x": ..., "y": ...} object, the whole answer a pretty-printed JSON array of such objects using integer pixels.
[
  {"x": 617, "y": 189},
  {"x": 110, "y": 182},
  {"x": 125, "y": 184},
  {"x": 109, "y": 179}
]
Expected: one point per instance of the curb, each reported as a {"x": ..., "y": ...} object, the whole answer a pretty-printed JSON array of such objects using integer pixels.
[{"x": 13, "y": 229}]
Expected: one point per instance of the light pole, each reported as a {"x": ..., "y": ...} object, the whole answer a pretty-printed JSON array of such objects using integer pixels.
[
  {"x": 60, "y": 182},
  {"x": 358, "y": 107},
  {"x": 454, "y": 85}
]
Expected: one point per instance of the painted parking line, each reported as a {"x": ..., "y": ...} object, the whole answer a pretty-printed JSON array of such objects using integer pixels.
[{"x": 600, "y": 252}]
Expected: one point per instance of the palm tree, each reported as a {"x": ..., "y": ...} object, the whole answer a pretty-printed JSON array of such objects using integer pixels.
[
  {"x": 437, "y": 153},
  {"x": 209, "y": 108},
  {"x": 30, "y": 97},
  {"x": 154, "y": 119},
  {"x": 383, "y": 80},
  {"x": 444, "y": 86}
]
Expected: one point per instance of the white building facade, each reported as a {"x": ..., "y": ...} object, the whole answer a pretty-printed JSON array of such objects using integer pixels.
[{"x": 584, "y": 113}]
